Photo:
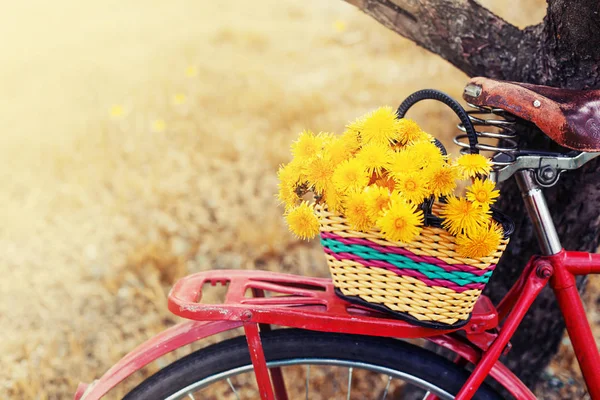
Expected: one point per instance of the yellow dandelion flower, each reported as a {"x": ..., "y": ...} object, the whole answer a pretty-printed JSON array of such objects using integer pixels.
[
  {"x": 307, "y": 146},
  {"x": 302, "y": 221},
  {"x": 337, "y": 150},
  {"x": 378, "y": 198},
  {"x": 471, "y": 165},
  {"x": 287, "y": 195},
  {"x": 350, "y": 175},
  {"x": 462, "y": 216},
  {"x": 319, "y": 171},
  {"x": 356, "y": 126},
  {"x": 402, "y": 162},
  {"x": 410, "y": 132},
  {"x": 426, "y": 154},
  {"x": 297, "y": 170},
  {"x": 191, "y": 71},
  {"x": 117, "y": 111},
  {"x": 379, "y": 126},
  {"x": 291, "y": 173},
  {"x": 333, "y": 199},
  {"x": 158, "y": 125},
  {"x": 386, "y": 182},
  {"x": 357, "y": 211},
  {"x": 290, "y": 176},
  {"x": 442, "y": 180},
  {"x": 413, "y": 187},
  {"x": 480, "y": 243},
  {"x": 375, "y": 157},
  {"x": 401, "y": 221},
  {"x": 179, "y": 99},
  {"x": 351, "y": 139},
  {"x": 482, "y": 193}
]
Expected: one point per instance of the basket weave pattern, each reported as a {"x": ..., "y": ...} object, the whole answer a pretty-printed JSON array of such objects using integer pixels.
[{"x": 425, "y": 279}]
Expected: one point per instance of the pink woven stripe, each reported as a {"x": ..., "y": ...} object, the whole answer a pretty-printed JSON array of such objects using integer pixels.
[
  {"x": 407, "y": 253},
  {"x": 406, "y": 272}
]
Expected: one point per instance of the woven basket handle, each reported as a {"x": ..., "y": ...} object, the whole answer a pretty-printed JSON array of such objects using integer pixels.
[{"x": 432, "y": 94}]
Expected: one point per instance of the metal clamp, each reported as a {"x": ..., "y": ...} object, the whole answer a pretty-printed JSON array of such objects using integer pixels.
[{"x": 548, "y": 167}]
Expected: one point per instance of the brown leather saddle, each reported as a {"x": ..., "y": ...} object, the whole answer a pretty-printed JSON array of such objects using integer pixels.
[{"x": 569, "y": 117}]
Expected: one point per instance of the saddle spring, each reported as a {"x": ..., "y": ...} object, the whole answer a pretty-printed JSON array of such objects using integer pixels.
[{"x": 496, "y": 135}]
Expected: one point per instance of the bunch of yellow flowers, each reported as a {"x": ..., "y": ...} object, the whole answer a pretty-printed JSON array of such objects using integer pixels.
[{"x": 378, "y": 173}]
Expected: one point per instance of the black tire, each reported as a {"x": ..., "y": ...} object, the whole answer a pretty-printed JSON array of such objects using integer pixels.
[{"x": 285, "y": 344}]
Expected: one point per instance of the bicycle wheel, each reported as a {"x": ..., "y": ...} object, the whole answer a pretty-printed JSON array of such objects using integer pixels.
[{"x": 314, "y": 365}]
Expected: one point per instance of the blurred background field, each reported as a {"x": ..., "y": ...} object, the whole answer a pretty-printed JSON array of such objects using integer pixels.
[{"x": 140, "y": 142}]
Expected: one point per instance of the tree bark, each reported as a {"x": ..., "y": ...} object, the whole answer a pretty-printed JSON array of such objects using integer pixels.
[{"x": 562, "y": 51}]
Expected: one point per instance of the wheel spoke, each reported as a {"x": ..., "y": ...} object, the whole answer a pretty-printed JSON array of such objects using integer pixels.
[
  {"x": 387, "y": 387},
  {"x": 191, "y": 396},
  {"x": 349, "y": 382},
  {"x": 237, "y": 396}
]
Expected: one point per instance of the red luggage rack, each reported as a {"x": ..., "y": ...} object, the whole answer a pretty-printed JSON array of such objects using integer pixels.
[
  {"x": 305, "y": 302},
  {"x": 260, "y": 299}
]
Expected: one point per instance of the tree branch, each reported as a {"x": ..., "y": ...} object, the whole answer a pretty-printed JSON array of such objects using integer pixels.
[{"x": 463, "y": 32}]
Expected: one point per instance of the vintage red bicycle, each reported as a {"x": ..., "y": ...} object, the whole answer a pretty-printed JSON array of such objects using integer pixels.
[{"x": 324, "y": 331}]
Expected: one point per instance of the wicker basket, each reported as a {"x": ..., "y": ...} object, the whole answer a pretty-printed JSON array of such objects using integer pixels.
[{"x": 425, "y": 282}]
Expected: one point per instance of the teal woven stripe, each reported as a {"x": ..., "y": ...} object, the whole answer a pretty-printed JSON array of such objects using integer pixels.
[{"x": 431, "y": 271}]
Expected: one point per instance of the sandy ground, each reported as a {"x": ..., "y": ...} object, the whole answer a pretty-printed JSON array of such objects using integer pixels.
[{"x": 140, "y": 143}]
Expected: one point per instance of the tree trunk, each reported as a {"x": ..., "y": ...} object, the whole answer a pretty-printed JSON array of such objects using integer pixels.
[{"x": 562, "y": 51}]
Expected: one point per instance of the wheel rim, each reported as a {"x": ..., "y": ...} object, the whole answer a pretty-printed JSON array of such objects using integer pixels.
[{"x": 430, "y": 388}]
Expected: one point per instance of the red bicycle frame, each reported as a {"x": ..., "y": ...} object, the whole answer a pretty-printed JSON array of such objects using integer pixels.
[{"x": 310, "y": 303}]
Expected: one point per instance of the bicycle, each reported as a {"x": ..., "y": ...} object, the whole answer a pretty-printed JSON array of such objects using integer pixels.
[{"x": 324, "y": 330}]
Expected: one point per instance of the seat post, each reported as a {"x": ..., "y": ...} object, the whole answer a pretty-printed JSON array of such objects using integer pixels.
[{"x": 538, "y": 211}]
